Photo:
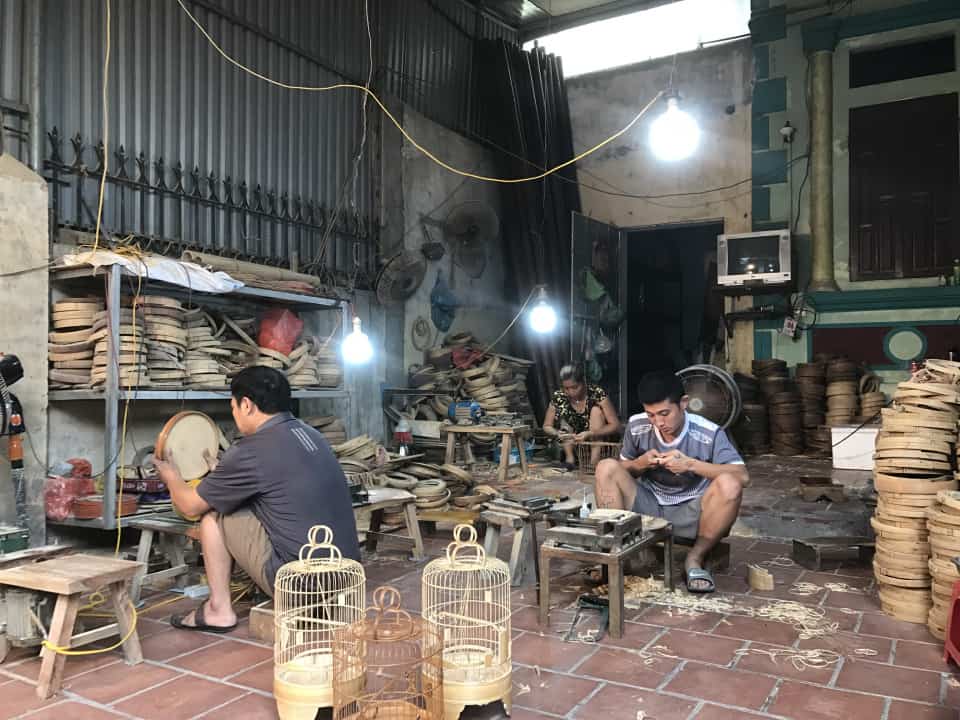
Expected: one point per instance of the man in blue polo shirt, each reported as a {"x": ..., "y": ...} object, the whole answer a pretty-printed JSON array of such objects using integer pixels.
[
  {"x": 679, "y": 466},
  {"x": 259, "y": 503}
]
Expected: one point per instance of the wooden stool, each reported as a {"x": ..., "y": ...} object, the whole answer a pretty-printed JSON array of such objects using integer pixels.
[
  {"x": 69, "y": 577},
  {"x": 613, "y": 563},
  {"x": 524, "y": 542},
  {"x": 506, "y": 443},
  {"x": 382, "y": 498},
  {"x": 175, "y": 535}
]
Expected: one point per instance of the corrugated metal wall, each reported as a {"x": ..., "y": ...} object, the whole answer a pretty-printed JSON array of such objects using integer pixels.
[
  {"x": 14, "y": 89},
  {"x": 172, "y": 96}
]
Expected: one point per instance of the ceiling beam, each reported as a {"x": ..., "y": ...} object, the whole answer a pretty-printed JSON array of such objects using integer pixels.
[{"x": 604, "y": 11}]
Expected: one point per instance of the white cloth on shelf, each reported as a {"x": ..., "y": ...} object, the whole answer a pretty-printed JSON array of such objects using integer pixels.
[{"x": 157, "y": 267}]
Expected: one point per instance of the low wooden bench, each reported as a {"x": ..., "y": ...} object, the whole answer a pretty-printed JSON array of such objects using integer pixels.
[
  {"x": 174, "y": 535},
  {"x": 382, "y": 498},
  {"x": 69, "y": 577}
]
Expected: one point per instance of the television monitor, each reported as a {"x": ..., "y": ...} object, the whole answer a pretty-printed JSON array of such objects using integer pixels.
[{"x": 757, "y": 258}]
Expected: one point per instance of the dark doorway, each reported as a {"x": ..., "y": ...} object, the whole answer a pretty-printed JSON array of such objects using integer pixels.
[{"x": 672, "y": 317}]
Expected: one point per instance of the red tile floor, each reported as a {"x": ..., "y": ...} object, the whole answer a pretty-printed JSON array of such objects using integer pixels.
[{"x": 668, "y": 664}]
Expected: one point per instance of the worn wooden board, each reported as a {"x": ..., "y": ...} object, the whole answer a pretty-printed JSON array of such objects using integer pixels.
[{"x": 69, "y": 575}]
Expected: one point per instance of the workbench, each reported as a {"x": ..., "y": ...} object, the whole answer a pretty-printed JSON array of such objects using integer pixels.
[{"x": 507, "y": 435}]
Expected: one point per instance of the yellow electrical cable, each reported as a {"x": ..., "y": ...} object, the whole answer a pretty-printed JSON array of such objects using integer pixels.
[
  {"x": 418, "y": 146},
  {"x": 65, "y": 650}
]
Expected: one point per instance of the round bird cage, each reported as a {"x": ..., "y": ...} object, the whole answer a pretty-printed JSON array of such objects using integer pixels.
[
  {"x": 314, "y": 596},
  {"x": 589, "y": 455},
  {"x": 387, "y": 665},
  {"x": 466, "y": 596}
]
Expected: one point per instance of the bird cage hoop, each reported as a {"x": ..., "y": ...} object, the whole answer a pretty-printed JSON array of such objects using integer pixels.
[
  {"x": 315, "y": 530},
  {"x": 465, "y": 540},
  {"x": 386, "y": 604},
  {"x": 323, "y": 544}
]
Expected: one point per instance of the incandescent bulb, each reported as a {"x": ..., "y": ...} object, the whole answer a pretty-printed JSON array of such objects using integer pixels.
[
  {"x": 675, "y": 134},
  {"x": 356, "y": 348}
]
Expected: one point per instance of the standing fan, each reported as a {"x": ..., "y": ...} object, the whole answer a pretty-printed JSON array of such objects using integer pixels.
[
  {"x": 400, "y": 277},
  {"x": 470, "y": 230},
  {"x": 712, "y": 393}
]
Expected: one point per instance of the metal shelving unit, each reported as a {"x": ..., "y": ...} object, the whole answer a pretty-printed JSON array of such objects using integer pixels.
[{"x": 111, "y": 395}]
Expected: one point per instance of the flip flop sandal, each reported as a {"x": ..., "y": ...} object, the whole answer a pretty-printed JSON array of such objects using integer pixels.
[
  {"x": 199, "y": 624},
  {"x": 704, "y": 576}
]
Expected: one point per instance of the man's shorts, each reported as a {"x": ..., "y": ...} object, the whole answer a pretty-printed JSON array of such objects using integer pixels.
[
  {"x": 685, "y": 517},
  {"x": 248, "y": 545}
]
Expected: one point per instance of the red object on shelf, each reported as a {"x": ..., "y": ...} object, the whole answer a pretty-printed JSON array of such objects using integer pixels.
[{"x": 951, "y": 646}]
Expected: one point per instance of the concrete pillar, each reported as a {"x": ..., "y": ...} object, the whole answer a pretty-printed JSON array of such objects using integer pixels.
[
  {"x": 821, "y": 169},
  {"x": 23, "y": 326}
]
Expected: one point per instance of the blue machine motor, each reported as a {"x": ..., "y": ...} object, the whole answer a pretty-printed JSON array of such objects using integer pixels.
[{"x": 465, "y": 412}]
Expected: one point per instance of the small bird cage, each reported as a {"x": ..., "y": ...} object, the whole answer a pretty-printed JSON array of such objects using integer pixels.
[
  {"x": 589, "y": 455},
  {"x": 388, "y": 665},
  {"x": 466, "y": 596},
  {"x": 314, "y": 595}
]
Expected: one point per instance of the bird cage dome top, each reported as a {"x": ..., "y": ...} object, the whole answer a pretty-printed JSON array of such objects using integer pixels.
[
  {"x": 385, "y": 621},
  {"x": 319, "y": 555},
  {"x": 466, "y": 555}
]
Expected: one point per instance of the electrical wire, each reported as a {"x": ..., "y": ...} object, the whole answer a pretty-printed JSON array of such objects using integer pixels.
[
  {"x": 354, "y": 175},
  {"x": 106, "y": 127},
  {"x": 373, "y": 96},
  {"x": 512, "y": 322}
]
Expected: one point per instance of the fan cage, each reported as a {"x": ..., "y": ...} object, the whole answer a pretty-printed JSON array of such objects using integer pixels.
[
  {"x": 314, "y": 596},
  {"x": 725, "y": 407},
  {"x": 388, "y": 665}
]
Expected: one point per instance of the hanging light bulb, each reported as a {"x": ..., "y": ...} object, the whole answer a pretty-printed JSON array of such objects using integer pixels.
[
  {"x": 543, "y": 318},
  {"x": 675, "y": 134},
  {"x": 356, "y": 347}
]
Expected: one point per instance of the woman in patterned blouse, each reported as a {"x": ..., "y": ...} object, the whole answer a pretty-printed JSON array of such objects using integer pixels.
[{"x": 580, "y": 413}]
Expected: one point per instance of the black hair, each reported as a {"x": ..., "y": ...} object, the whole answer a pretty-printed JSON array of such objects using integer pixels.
[
  {"x": 573, "y": 372},
  {"x": 265, "y": 387},
  {"x": 658, "y": 386}
]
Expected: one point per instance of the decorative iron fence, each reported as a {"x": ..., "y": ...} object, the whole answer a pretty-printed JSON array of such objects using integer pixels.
[{"x": 172, "y": 208}]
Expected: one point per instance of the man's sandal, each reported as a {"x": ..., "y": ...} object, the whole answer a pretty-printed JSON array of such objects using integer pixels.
[
  {"x": 703, "y": 576},
  {"x": 199, "y": 624}
]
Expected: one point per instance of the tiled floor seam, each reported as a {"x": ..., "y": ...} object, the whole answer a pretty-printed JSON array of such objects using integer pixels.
[
  {"x": 836, "y": 672},
  {"x": 696, "y": 710},
  {"x": 210, "y": 678},
  {"x": 222, "y": 705},
  {"x": 119, "y": 700},
  {"x": 738, "y": 654},
  {"x": 771, "y": 696},
  {"x": 66, "y": 696},
  {"x": 751, "y": 672},
  {"x": 590, "y": 695},
  {"x": 885, "y": 713},
  {"x": 247, "y": 669},
  {"x": 668, "y": 678},
  {"x": 893, "y": 651},
  {"x": 581, "y": 661}
]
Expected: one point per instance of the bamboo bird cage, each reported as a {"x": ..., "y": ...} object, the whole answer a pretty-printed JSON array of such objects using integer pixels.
[
  {"x": 314, "y": 596},
  {"x": 466, "y": 597},
  {"x": 589, "y": 455},
  {"x": 388, "y": 665}
]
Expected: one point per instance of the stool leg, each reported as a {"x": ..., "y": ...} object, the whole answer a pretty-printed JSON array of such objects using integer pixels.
[
  {"x": 522, "y": 447},
  {"x": 61, "y": 632},
  {"x": 516, "y": 555},
  {"x": 535, "y": 547},
  {"x": 373, "y": 537},
  {"x": 143, "y": 557},
  {"x": 615, "y": 596},
  {"x": 668, "y": 578},
  {"x": 468, "y": 457},
  {"x": 504, "y": 456},
  {"x": 491, "y": 541},
  {"x": 544, "y": 589},
  {"x": 413, "y": 527},
  {"x": 451, "y": 455},
  {"x": 126, "y": 622}
]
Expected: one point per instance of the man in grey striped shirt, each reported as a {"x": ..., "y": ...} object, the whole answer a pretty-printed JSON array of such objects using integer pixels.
[{"x": 679, "y": 466}]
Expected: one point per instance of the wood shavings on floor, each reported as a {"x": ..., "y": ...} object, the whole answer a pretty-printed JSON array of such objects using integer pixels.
[
  {"x": 801, "y": 660},
  {"x": 806, "y": 589},
  {"x": 809, "y": 621},
  {"x": 779, "y": 561}
]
